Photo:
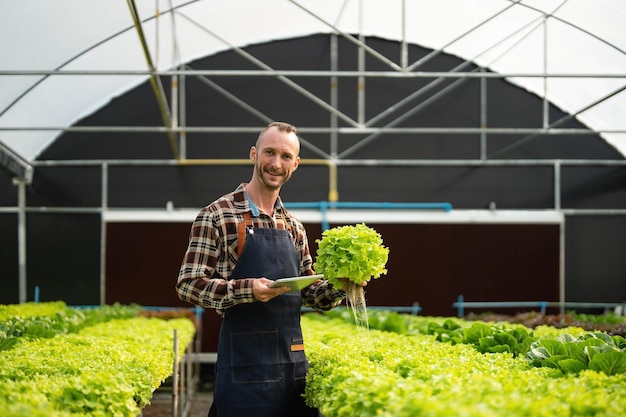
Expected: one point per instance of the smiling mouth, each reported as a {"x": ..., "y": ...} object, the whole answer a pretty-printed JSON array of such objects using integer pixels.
[{"x": 273, "y": 174}]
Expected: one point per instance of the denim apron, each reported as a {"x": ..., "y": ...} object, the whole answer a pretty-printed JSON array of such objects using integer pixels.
[{"x": 261, "y": 366}]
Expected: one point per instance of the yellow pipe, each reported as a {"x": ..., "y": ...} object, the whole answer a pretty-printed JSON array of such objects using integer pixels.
[{"x": 333, "y": 195}]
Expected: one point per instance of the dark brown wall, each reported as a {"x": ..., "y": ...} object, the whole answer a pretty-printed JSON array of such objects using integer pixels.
[
  {"x": 428, "y": 263},
  {"x": 142, "y": 263},
  {"x": 433, "y": 264}
]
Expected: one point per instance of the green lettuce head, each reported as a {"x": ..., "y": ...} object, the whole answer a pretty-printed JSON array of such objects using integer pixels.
[{"x": 353, "y": 252}]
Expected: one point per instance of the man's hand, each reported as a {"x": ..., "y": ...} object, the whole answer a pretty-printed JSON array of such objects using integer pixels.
[
  {"x": 262, "y": 292},
  {"x": 346, "y": 281}
]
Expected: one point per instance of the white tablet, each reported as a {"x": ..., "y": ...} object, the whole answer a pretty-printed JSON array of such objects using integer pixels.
[{"x": 297, "y": 283}]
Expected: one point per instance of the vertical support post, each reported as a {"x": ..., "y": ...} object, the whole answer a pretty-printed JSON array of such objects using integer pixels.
[
  {"x": 334, "y": 94},
  {"x": 175, "y": 377},
  {"x": 361, "y": 66},
  {"x": 404, "y": 51},
  {"x": 104, "y": 203},
  {"x": 334, "y": 102},
  {"x": 483, "y": 116},
  {"x": 190, "y": 375},
  {"x": 175, "y": 97},
  {"x": 461, "y": 310},
  {"x": 182, "y": 389},
  {"x": 182, "y": 137},
  {"x": 415, "y": 310},
  {"x": 546, "y": 103},
  {"x": 21, "y": 238},
  {"x": 198, "y": 337},
  {"x": 562, "y": 269},
  {"x": 557, "y": 185},
  {"x": 557, "y": 206},
  {"x": 323, "y": 211}
]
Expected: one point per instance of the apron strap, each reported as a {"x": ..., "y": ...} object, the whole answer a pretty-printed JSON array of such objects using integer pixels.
[
  {"x": 241, "y": 232},
  {"x": 247, "y": 221}
]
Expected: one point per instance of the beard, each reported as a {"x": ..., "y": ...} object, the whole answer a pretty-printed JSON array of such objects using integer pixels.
[{"x": 278, "y": 180}]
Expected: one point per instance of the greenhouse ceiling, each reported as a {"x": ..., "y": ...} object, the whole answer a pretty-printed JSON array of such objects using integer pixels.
[{"x": 62, "y": 60}]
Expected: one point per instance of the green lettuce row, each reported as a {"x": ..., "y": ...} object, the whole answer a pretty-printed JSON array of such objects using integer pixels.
[
  {"x": 45, "y": 320},
  {"x": 569, "y": 350},
  {"x": 109, "y": 369},
  {"x": 596, "y": 351},
  {"x": 30, "y": 309},
  {"x": 355, "y": 372}
]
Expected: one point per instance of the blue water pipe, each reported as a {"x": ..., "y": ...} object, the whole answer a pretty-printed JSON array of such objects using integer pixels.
[
  {"x": 542, "y": 305},
  {"x": 323, "y": 207}
]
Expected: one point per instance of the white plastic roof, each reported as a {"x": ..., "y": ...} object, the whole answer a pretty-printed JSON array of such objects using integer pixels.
[{"x": 582, "y": 38}]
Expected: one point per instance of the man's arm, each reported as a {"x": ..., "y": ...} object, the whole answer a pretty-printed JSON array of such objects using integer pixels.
[
  {"x": 200, "y": 280},
  {"x": 322, "y": 296}
]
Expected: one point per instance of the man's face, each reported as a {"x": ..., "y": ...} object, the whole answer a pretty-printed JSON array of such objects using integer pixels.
[{"x": 275, "y": 158}]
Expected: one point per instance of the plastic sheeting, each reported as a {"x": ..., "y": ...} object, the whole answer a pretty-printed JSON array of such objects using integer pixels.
[{"x": 63, "y": 60}]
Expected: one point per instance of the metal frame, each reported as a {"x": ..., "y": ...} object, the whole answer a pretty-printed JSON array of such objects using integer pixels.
[{"x": 174, "y": 115}]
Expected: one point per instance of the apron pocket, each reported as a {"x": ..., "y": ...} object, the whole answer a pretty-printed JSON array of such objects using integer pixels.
[
  {"x": 254, "y": 357},
  {"x": 300, "y": 367}
]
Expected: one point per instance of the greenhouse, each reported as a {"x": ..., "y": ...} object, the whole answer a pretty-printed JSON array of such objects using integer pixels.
[{"x": 484, "y": 140}]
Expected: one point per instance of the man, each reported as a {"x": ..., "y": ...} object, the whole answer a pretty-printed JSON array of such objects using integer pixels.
[{"x": 238, "y": 245}]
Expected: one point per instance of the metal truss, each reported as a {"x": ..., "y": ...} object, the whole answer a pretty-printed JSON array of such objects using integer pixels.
[{"x": 174, "y": 114}]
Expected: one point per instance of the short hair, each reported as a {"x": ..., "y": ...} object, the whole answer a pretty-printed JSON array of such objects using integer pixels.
[{"x": 282, "y": 126}]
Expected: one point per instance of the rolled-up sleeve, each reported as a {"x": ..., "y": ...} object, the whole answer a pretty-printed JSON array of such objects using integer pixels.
[{"x": 322, "y": 296}]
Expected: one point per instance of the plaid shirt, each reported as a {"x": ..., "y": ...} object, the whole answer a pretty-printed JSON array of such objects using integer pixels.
[{"x": 212, "y": 256}]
